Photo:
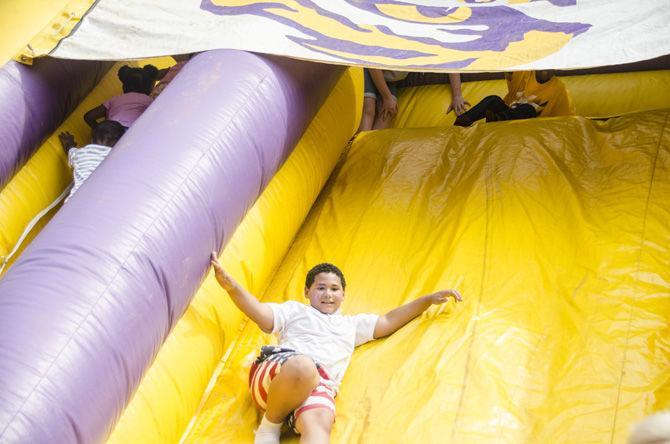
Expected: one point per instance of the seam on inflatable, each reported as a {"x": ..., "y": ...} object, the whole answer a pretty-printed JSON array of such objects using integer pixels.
[
  {"x": 123, "y": 263},
  {"x": 637, "y": 271},
  {"x": 487, "y": 238}
]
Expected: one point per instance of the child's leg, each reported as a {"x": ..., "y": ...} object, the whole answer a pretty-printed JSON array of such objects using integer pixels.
[
  {"x": 368, "y": 117},
  {"x": 315, "y": 425},
  {"x": 369, "y": 102},
  {"x": 490, "y": 103},
  {"x": 523, "y": 111},
  {"x": 294, "y": 383}
]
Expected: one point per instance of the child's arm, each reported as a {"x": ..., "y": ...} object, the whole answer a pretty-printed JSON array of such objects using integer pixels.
[
  {"x": 258, "y": 312},
  {"x": 92, "y": 116},
  {"x": 161, "y": 73},
  {"x": 389, "y": 106},
  {"x": 457, "y": 101},
  {"x": 398, "y": 317},
  {"x": 67, "y": 141}
]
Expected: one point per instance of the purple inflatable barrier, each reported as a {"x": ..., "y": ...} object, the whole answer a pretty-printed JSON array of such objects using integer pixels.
[
  {"x": 86, "y": 307},
  {"x": 35, "y": 100}
]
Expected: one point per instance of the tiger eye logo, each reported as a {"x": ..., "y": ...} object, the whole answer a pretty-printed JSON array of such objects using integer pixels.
[{"x": 488, "y": 34}]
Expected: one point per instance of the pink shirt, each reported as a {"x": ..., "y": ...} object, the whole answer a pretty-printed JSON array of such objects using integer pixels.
[{"x": 127, "y": 107}]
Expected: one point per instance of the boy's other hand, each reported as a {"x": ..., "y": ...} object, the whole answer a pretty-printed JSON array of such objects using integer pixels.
[
  {"x": 66, "y": 140},
  {"x": 389, "y": 107},
  {"x": 458, "y": 105},
  {"x": 442, "y": 296},
  {"x": 222, "y": 277}
]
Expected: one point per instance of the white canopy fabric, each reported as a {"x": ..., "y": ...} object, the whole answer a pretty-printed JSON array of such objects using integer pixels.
[{"x": 437, "y": 35}]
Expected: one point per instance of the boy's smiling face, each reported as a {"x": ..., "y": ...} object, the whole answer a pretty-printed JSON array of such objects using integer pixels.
[{"x": 326, "y": 293}]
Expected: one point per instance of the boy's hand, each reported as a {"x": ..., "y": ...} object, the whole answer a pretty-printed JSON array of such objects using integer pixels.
[
  {"x": 458, "y": 105},
  {"x": 222, "y": 277},
  {"x": 66, "y": 140},
  {"x": 442, "y": 296},
  {"x": 389, "y": 107}
]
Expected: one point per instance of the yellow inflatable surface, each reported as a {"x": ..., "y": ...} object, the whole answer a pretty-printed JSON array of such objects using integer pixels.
[
  {"x": 41, "y": 22},
  {"x": 555, "y": 231}
]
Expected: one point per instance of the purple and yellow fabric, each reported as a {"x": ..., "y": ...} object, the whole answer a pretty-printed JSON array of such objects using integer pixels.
[{"x": 493, "y": 35}]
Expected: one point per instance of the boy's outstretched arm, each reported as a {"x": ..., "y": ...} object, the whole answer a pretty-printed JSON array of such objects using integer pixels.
[
  {"x": 396, "y": 318},
  {"x": 258, "y": 312}
]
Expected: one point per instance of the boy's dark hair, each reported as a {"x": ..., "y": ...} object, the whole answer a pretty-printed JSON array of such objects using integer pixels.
[
  {"x": 139, "y": 80},
  {"x": 107, "y": 132},
  {"x": 324, "y": 268}
]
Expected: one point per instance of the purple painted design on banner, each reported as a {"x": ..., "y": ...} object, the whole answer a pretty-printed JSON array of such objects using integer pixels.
[
  {"x": 458, "y": 64},
  {"x": 35, "y": 100},
  {"x": 503, "y": 25},
  {"x": 561, "y": 3},
  {"x": 499, "y": 38},
  {"x": 86, "y": 307},
  {"x": 317, "y": 38},
  {"x": 434, "y": 12},
  {"x": 326, "y": 13},
  {"x": 553, "y": 2}
]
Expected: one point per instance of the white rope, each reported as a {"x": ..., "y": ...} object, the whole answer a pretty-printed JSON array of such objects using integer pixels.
[{"x": 31, "y": 225}]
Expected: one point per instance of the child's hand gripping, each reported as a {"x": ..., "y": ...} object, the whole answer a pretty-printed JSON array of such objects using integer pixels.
[
  {"x": 442, "y": 296},
  {"x": 223, "y": 278}
]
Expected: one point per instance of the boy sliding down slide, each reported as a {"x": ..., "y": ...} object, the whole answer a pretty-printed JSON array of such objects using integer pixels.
[{"x": 297, "y": 380}]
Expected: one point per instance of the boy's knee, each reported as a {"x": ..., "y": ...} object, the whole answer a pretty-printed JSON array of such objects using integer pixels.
[
  {"x": 301, "y": 369},
  {"x": 316, "y": 421}
]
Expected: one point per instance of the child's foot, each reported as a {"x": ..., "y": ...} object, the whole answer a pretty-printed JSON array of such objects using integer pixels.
[
  {"x": 463, "y": 120},
  {"x": 267, "y": 432}
]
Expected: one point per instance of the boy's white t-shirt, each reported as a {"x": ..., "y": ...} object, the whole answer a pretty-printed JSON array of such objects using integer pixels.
[{"x": 328, "y": 339}]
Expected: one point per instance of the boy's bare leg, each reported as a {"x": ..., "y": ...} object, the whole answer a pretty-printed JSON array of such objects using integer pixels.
[
  {"x": 315, "y": 426},
  {"x": 296, "y": 380},
  {"x": 368, "y": 116}
]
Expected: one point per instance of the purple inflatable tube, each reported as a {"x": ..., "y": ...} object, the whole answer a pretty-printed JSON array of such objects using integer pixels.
[
  {"x": 85, "y": 309},
  {"x": 35, "y": 100}
]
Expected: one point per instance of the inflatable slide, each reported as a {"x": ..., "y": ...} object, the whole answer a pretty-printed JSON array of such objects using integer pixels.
[{"x": 555, "y": 231}]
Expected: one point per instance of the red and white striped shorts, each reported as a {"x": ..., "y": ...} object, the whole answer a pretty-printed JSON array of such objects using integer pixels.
[{"x": 268, "y": 365}]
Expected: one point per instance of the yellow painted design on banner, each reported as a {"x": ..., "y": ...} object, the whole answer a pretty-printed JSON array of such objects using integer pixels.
[{"x": 413, "y": 37}]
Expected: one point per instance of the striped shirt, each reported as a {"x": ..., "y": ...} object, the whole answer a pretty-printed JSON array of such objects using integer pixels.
[{"x": 84, "y": 161}]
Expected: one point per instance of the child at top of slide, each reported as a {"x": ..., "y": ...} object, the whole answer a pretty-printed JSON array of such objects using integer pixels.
[
  {"x": 86, "y": 159},
  {"x": 127, "y": 107},
  {"x": 297, "y": 380},
  {"x": 529, "y": 94}
]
